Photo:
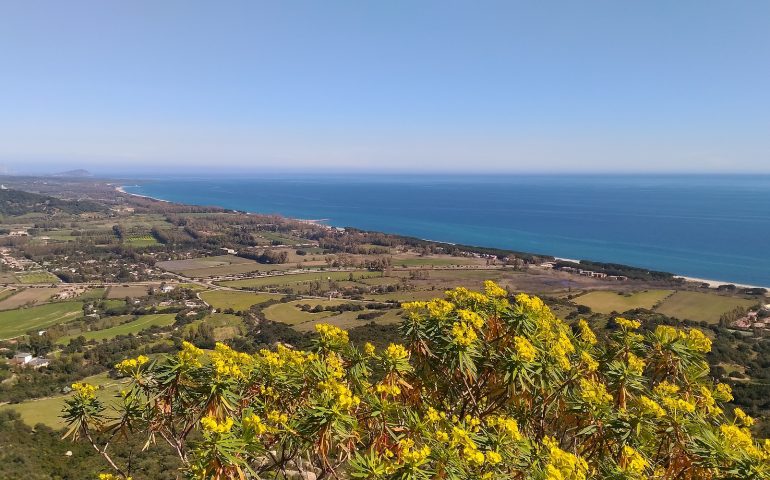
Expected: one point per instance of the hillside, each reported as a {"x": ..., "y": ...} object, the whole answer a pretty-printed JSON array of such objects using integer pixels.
[{"x": 16, "y": 202}]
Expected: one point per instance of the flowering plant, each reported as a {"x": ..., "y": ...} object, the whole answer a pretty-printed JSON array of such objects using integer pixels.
[{"x": 484, "y": 386}]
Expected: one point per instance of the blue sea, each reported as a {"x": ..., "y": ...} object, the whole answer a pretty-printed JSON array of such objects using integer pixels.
[{"x": 714, "y": 227}]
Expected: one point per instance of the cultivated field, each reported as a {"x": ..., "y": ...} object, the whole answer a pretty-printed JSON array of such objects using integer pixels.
[
  {"x": 299, "y": 279},
  {"x": 238, "y": 301},
  {"x": 123, "y": 291},
  {"x": 699, "y": 306},
  {"x": 37, "y": 277},
  {"x": 291, "y": 314},
  {"x": 28, "y": 296},
  {"x": 135, "y": 326},
  {"x": 18, "y": 322},
  {"x": 607, "y": 301}
]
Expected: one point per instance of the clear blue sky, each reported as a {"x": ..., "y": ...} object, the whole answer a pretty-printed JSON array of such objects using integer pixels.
[{"x": 446, "y": 86}]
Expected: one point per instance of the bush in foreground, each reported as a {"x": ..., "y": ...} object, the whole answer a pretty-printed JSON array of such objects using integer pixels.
[{"x": 482, "y": 389}]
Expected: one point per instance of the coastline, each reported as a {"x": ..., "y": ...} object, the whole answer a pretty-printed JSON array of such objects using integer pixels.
[{"x": 711, "y": 282}]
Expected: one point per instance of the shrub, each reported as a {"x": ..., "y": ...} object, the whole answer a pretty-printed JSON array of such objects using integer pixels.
[{"x": 484, "y": 387}]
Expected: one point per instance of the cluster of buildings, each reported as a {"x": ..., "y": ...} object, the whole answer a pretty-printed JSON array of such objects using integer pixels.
[
  {"x": 585, "y": 273},
  {"x": 27, "y": 360},
  {"x": 754, "y": 320}
]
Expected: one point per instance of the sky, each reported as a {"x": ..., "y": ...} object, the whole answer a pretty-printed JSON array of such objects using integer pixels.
[{"x": 397, "y": 86}]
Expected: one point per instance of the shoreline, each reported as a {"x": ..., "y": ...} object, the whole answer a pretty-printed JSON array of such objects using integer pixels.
[{"x": 711, "y": 282}]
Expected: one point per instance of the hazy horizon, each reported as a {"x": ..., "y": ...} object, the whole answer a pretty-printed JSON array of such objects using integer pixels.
[{"x": 513, "y": 87}]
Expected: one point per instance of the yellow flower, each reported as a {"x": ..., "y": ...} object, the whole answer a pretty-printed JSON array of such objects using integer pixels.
[
  {"x": 563, "y": 465},
  {"x": 493, "y": 457},
  {"x": 634, "y": 462},
  {"x": 586, "y": 334},
  {"x": 524, "y": 349},
  {"x": 471, "y": 317},
  {"x": 369, "y": 349},
  {"x": 396, "y": 352},
  {"x": 110, "y": 476},
  {"x": 413, "y": 456},
  {"x": 742, "y": 418},
  {"x": 131, "y": 365},
  {"x": 698, "y": 341},
  {"x": 210, "y": 424},
  {"x": 432, "y": 415},
  {"x": 635, "y": 364},
  {"x": 331, "y": 335},
  {"x": 507, "y": 426},
  {"x": 723, "y": 392},
  {"x": 594, "y": 393},
  {"x": 590, "y": 363},
  {"x": 85, "y": 390},
  {"x": 627, "y": 324},
  {"x": 253, "y": 422},
  {"x": 392, "y": 390},
  {"x": 463, "y": 335},
  {"x": 651, "y": 407},
  {"x": 494, "y": 290},
  {"x": 189, "y": 355}
]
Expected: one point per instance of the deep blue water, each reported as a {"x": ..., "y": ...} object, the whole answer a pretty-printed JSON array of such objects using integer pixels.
[{"x": 715, "y": 227}]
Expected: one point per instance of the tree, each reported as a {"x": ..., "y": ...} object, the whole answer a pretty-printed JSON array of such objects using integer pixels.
[{"x": 485, "y": 387}]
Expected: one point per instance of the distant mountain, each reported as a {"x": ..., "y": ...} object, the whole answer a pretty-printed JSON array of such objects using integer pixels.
[{"x": 74, "y": 173}]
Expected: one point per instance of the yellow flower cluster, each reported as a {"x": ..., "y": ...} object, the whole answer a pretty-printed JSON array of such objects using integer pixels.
[
  {"x": 634, "y": 462},
  {"x": 494, "y": 290},
  {"x": 594, "y": 393},
  {"x": 694, "y": 338},
  {"x": 463, "y": 334},
  {"x": 708, "y": 402},
  {"x": 738, "y": 439},
  {"x": 110, "y": 476},
  {"x": 628, "y": 324},
  {"x": 284, "y": 356},
  {"x": 413, "y": 456},
  {"x": 524, "y": 349},
  {"x": 396, "y": 353},
  {"x": 190, "y": 355},
  {"x": 228, "y": 363},
  {"x": 341, "y": 397},
  {"x": 669, "y": 398},
  {"x": 85, "y": 390},
  {"x": 392, "y": 390},
  {"x": 277, "y": 418},
  {"x": 369, "y": 349},
  {"x": 131, "y": 365},
  {"x": 507, "y": 426},
  {"x": 586, "y": 334},
  {"x": 588, "y": 361},
  {"x": 723, "y": 392},
  {"x": 742, "y": 418},
  {"x": 255, "y": 424},
  {"x": 210, "y": 424},
  {"x": 331, "y": 335},
  {"x": 651, "y": 407},
  {"x": 464, "y": 298},
  {"x": 635, "y": 364},
  {"x": 471, "y": 317},
  {"x": 563, "y": 465},
  {"x": 562, "y": 349}
]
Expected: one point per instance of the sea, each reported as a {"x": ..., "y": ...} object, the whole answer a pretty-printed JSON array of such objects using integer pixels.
[{"x": 711, "y": 227}]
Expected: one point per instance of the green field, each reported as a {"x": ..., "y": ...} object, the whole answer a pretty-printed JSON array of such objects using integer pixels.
[
  {"x": 92, "y": 294},
  {"x": 238, "y": 301},
  {"x": 48, "y": 410},
  {"x": 296, "y": 279},
  {"x": 141, "y": 241},
  {"x": 433, "y": 261},
  {"x": 37, "y": 277},
  {"x": 289, "y": 313},
  {"x": 225, "y": 325},
  {"x": 699, "y": 306},
  {"x": 607, "y": 301},
  {"x": 141, "y": 323},
  {"x": 18, "y": 322}
]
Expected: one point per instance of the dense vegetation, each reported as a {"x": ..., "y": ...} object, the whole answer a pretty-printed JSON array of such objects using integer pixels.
[{"x": 483, "y": 388}]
